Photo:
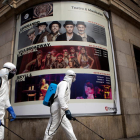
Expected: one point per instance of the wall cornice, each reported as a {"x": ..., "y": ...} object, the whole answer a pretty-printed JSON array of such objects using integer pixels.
[{"x": 128, "y": 10}]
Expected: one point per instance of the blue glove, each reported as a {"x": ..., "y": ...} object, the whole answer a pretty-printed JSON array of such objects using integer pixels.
[
  {"x": 0, "y": 122},
  {"x": 11, "y": 111},
  {"x": 68, "y": 114}
]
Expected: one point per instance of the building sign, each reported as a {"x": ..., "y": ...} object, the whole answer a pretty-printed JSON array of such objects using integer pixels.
[{"x": 54, "y": 37}]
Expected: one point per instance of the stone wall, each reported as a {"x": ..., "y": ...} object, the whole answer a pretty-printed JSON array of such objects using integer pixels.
[
  {"x": 7, "y": 36},
  {"x": 125, "y": 36},
  {"x": 110, "y": 127}
]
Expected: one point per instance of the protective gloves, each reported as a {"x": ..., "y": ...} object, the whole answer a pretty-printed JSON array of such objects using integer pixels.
[
  {"x": 68, "y": 114},
  {"x": 11, "y": 111}
]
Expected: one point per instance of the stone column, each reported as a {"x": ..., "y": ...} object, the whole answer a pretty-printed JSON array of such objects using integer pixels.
[
  {"x": 7, "y": 33},
  {"x": 125, "y": 36}
]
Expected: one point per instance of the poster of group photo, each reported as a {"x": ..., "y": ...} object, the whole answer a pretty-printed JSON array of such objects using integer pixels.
[
  {"x": 54, "y": 37},
  {"x": 59, "y": 57},
  {"x": 58, "y": 30}
]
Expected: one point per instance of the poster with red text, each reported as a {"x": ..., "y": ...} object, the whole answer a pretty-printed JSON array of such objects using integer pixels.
[{"x": 54, "y": 37}]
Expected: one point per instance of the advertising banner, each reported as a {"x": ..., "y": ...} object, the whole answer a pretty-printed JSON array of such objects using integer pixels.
[{"x": 54, "y": 37}]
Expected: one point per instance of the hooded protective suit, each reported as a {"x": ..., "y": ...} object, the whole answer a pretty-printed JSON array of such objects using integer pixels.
[
  {"x": 59, "y": 107},
  {"x": 6, "y": 73}
]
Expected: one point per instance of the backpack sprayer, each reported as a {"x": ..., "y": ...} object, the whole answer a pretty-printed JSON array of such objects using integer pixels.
[{"x": 49, "y": 99}]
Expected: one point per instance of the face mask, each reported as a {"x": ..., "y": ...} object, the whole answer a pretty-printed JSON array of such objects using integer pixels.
[
  {"x": 74, "y": 79},
  {"x": 11, "y": 75}
]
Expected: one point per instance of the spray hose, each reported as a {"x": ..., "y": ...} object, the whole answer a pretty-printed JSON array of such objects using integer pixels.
[
  {"x": 74, "y": 119},
  {"x": 12, "y": 131}
]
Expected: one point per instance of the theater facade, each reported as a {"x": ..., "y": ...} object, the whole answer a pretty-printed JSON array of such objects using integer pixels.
[{"x": 99, "y": 40}]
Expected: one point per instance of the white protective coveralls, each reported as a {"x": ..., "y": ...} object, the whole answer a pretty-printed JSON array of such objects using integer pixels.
[
  {"x": 4, "y": 93},
  {"x": 59, "y": 106}
]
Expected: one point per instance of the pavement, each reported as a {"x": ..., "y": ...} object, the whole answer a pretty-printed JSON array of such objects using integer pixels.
[{"x": 133, "y": 138}]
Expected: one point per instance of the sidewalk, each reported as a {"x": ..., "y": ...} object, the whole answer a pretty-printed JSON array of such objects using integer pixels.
[{"x": 134, "y": 138}]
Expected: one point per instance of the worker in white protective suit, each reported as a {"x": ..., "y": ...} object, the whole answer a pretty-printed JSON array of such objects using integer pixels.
[
  {"x": 60, "y": 107},
  {"x": 7, "y": 72}
]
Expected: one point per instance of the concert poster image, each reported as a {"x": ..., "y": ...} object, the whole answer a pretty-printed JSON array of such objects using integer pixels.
[
  {"x": 57, "y": 57},
  {"x": 52, "y": 31},
  {"x": 86, "y": 86}
]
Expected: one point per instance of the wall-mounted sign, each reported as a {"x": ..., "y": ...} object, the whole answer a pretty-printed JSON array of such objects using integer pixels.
[{"x": 54, "y": 37}]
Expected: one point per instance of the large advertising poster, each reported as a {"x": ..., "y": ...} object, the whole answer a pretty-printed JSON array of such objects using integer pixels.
[{"x": 54, "y": 37}]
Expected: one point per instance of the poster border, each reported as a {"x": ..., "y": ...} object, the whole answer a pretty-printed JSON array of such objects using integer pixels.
[{"x": 116, "y": 93}]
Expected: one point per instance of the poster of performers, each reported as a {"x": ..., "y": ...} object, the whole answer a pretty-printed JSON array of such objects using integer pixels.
[
  {"x": 49, "y": 41},
  {"x": 92, "y": 86},
  {"x": 58, "y": 30},
  {"x": 60, "y": 57}
]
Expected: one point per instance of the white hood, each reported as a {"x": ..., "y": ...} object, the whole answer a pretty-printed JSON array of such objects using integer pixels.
[
  {"x": 4, "y": 73},
  {"x": 68, "y": 79},
  {"x": 70, "y": 74},
  {"x": 8, "y": 67}
]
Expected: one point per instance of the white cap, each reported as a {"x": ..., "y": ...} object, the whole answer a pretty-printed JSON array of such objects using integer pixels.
[
  {"x": 11, "y": 67},
  {"x": 70, "y": 73}
]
